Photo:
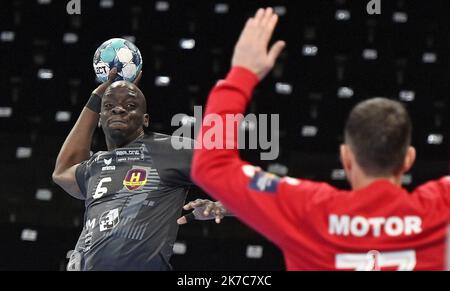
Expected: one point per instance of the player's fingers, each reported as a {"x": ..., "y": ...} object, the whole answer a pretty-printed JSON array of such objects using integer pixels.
[
  {"x": 275, "y": 50},
  {"x": 138, "y": 79},
  {"x": 188, "y": 206},
  {"x": 208, "y": 209},
  {"x": 194, "y": 204},
  {"x": 268, "y": 12},
  {"x": 218, "y": 218},
  {"x": 186, "y": 219},
  {"x": 249, "y": 25},
  {"x": 112, "y": 75},
  {"x": 258, "y": 16},
  {"x": 217, "y": 211},
  {"x": 270, "y": 27},
  {"x": 198, "y": 203},
  {"x": 182, "y": 220},
  {"x": 249, "y": 22}
]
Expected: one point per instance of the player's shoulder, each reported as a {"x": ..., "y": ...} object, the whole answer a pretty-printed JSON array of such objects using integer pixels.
[
  {"x": 169, "y": 142},
  {"x": 155, "y": 137},
  {"x": 95, "y": 157},
  {"x": 434, "y": 187},
  {"x": 165, "y": 138},
  {"x": 433, "y": 196}
]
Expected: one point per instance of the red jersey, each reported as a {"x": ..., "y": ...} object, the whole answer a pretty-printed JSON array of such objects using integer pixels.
[{"x": 319, "y": 227}]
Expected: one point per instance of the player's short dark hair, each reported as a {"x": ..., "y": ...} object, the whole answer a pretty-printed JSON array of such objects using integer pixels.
[{"x": 378, "y": 131}]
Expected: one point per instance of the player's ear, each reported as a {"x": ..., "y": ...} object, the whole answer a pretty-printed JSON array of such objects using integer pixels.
[
  {"x": 345, "y": 157},
  {"x": 146, "y": 120},
  {"x": 410, "y": 158}
]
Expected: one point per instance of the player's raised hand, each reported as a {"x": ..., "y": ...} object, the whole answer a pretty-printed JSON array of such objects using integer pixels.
[
  {"x": 138, "y": 79},
  {"x": 203, "y": 210},
  {"x": 251, "y": 50},
  {"x": 100, "y": 90}
]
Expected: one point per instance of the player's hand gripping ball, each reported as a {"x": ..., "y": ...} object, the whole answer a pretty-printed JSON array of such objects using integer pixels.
[{"x": 121, "y": 54}]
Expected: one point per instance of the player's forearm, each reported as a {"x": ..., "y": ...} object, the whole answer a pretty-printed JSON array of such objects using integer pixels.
[
  {"x": 222, "y": 173},
  {"x": 77, "y": 145},
  {"x": 230, "y": 96}
]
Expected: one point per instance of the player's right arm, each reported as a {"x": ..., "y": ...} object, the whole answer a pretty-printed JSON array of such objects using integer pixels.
[{"x": 76, "y": 147}]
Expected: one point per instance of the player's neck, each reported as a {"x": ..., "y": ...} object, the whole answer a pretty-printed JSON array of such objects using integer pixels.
[
  {"x": 364, "y": 183},
  {"x": 113, "y": 144},
  {"x": 359, "y": 180}
]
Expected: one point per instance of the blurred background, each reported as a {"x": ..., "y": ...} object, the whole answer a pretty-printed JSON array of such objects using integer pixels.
[{"x": 337, "y": 54}]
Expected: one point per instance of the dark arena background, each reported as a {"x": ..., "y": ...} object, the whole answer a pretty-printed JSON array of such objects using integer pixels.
[{"x": 337, "y": 54}]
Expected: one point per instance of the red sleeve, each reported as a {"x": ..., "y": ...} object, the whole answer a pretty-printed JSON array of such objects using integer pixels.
[
  {"x": 259, "y": 199},
  {"x": 434, "y": 197}
]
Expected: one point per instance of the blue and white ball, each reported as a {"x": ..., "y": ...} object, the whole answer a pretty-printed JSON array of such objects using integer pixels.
[{"x": 121, "y": 54}]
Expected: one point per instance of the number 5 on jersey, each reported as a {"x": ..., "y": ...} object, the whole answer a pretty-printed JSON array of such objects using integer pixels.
[{"x": 100, "y": 191}]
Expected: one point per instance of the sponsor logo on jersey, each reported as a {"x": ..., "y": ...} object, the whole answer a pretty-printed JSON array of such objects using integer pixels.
[
  {"x": 264, "y": 182},
  {"x": 105, "y": 158},
  {"x": 107, "y": 166},
  {"x": 109, "y": 219},
  {"x": 360, "y": 226},
  {"x": 135, "y": 179},
  {"x": 129, "y": 154}
]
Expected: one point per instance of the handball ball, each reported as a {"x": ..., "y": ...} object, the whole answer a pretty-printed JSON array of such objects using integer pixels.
[{"x": 121, "y": 54}]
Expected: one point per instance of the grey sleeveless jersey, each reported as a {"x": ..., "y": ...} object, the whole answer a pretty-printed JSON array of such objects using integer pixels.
[{"x": 133, "y": 197}]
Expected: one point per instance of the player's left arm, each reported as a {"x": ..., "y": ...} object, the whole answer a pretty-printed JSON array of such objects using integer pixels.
[{"x": 262, "y": 200}]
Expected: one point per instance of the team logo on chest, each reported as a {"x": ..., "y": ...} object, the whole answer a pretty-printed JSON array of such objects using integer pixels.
[{"x": 135, "y": 179}]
